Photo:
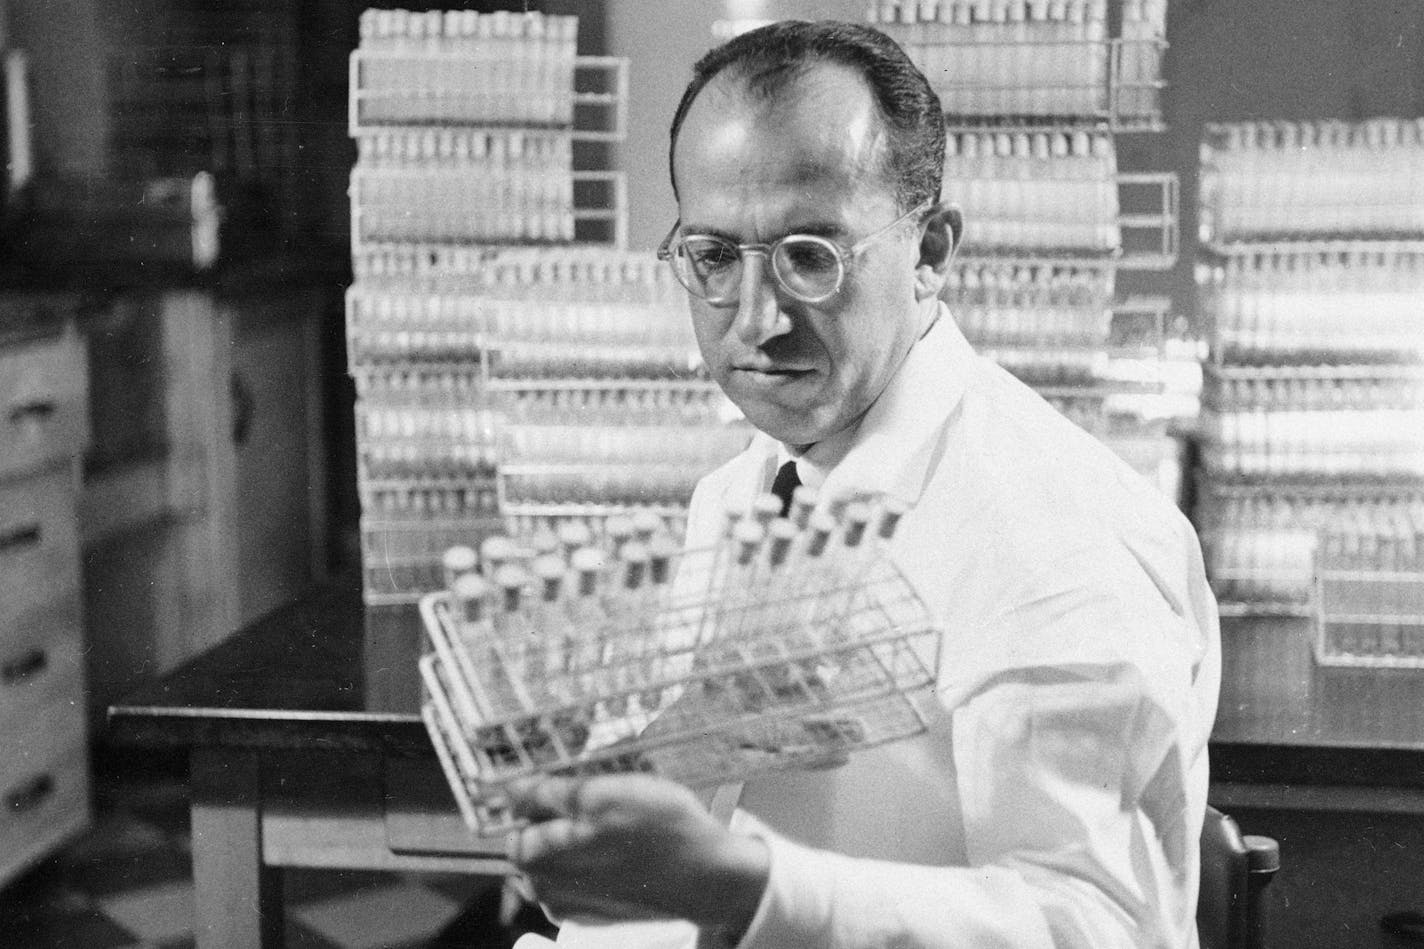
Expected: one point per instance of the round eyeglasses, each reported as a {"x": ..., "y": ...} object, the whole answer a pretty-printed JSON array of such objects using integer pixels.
[{"x": 808, "y": 267}]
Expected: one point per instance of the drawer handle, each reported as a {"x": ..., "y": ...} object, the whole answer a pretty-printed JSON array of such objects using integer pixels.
[
  {"x": 19, "y": 537},
  {"x": 30, "y": 795},
  {"x": 24, "y": 668},
  {"x": 37, "y": 410}
]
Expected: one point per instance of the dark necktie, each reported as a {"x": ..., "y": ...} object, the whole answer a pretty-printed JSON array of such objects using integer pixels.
[{"x": 786, "y": 482}]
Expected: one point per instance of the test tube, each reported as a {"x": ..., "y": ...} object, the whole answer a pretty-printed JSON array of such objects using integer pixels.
[
  {"x": 619, "y": 530},
  {"x": 764, "y": 508},
  {"x": 781, "y": 533},
  {"x": 469, "y": 591},
  {"x": 495, "y": 552},
  {"x": 457, "y": 561},
  {"x": 645, "y": 525},
  {"x": 857, "y": 518},
  {"x": 819, "y": 528},
  {"x": 891, "y": 511}
]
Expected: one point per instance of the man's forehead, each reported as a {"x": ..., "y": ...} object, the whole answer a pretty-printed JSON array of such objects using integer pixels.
[
  {"x": 815, "y": 87},
  {"x": 817, "y": 122}
]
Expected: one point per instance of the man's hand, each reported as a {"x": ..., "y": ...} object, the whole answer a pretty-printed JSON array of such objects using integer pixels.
[{"x": 634, "y": 847}]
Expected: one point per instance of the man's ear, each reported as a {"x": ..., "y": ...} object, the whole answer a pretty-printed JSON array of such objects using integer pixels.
[{"x": 938, "y": 241}]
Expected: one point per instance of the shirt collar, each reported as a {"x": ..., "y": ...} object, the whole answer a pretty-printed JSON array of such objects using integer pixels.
[{"x": 890, "y": 449}]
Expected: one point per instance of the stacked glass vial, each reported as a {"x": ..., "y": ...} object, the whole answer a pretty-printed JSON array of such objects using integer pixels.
[
  {"x": 512, "y": 361},
  {"x": 1034, "y": 94},
  {"x": 1312, "y": 282}
]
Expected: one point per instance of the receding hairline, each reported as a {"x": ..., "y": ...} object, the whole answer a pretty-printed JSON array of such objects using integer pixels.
[{"x": 766, "y": 89}]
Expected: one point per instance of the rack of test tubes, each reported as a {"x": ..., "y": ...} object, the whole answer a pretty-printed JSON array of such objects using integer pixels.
[
  {"x": 1309, "y": 279},
  {"x": 1035, "y": 94},
  {"x": 589, "y": 450},
  {"x": 1037, "y": 58},
  {"x": 1302, "y": 302},
  {"x": 465, "y": 124},
  {"x": 1370, "y": 589},
  {"x": 789, "y": 643},
  {"x": 1056, "y": 192},
  {"x": 515, "y": 367},
  {"x": 1284, "y": 181}
]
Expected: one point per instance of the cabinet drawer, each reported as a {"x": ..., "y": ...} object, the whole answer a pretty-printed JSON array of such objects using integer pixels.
[
  {"x": 41, "y": 664},
  {"x": 44, "y": 412},
  {"x": 43, "y": 803},
  {"x": 39, "y": 540}
]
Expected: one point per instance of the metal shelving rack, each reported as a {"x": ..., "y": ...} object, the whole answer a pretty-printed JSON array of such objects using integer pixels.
[
  {"x": 1034, "y": 97},
  {"x": 495, "y": 304},
  {"x": 1310, "y": 277}
]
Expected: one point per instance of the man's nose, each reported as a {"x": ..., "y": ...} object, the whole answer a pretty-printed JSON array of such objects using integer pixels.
[{"x": 759, "y": 314}]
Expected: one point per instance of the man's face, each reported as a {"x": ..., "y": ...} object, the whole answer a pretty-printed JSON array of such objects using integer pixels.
[{"x": 808, "y": 162}]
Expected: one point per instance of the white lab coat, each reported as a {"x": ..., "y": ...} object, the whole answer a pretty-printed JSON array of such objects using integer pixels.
[{"x": 1057, "y": 797}]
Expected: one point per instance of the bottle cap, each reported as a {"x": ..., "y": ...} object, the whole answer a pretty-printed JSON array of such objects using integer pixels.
[
  {"x": 458, "y": 559},
  {"x": 543, "y": 541},
  {"x": 588, "y": 563},
  {"x": 469, "y": 590},
  {"x": 495, "y": 550},
  {"x": 618, "y": 526},
  {"x": 748, "y": 536},
  {"x": 574, "y": 534},
  {"x": 646, "y": 524},
  {"x": 803, "y": 502},
  {"x": 765, "y": 507}
]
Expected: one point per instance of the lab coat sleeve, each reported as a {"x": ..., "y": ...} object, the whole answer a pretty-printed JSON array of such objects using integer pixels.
[{"x": 1064, "y": 849}]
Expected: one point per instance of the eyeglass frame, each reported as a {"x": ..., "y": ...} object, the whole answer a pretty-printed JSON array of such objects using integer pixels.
[{"x": 844, "y": 255}]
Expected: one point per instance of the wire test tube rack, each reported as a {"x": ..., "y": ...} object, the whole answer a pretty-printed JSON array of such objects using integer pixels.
[{"x": 787, "y": 644}]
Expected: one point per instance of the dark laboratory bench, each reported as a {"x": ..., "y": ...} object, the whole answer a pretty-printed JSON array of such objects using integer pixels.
[{"x": 307, "y": 749}]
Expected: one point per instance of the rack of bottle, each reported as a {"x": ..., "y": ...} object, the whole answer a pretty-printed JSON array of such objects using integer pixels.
[
  {"x": 1110, "y": 365},
  {"x": 465, "y": 125},
  {"x": 1059, "y": 193},
  {"x": 1298, "y": 302},
  {"x": 1293, "y": 181},
  {"x": 1268, "y": 552},
  {"x": 511, "y": 362},
  {"x": 1034, "y": 94},
  {"x": 532, "y": 386},
  {"x": 1056, "y": 60},
  {"x": 787, "y": 643},
  {"x": 1310, "y": 278}
]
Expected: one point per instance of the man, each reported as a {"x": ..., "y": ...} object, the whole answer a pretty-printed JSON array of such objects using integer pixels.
[{"x": 1057, "y": 797}]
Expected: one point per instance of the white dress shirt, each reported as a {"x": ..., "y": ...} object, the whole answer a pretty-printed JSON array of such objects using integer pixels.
[{"x": 1057, "y": 797}]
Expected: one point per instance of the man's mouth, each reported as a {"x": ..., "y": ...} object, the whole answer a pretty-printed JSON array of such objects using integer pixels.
[
  {"x": 772, "y": 373},
  {"x": 770, "y": 368}
]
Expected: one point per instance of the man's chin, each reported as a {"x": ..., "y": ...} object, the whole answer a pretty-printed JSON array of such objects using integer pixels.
[{"x": 788, "y": 425}]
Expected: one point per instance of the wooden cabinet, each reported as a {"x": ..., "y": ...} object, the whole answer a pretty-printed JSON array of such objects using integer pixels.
[
  {"x": 204, "y": 503},
  {"x": 44, "y": 789}
]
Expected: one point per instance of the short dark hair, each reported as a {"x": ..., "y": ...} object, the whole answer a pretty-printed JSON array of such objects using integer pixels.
[{"x": 768, "y": 59}]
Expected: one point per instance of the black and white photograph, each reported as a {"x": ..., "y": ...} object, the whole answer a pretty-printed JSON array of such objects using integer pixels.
[{"x": 712, "y": 474}]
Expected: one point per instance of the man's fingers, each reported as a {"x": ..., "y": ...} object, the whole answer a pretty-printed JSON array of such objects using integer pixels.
[
  {"x": 532, "y": 843},
  {"x": 545, "y": 798}
]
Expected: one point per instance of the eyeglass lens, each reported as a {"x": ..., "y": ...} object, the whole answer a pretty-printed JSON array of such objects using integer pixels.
[{"x": 808, "y": 267}]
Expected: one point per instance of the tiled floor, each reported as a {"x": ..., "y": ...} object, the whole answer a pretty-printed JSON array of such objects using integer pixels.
[{"x": 127, "y": 883}]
